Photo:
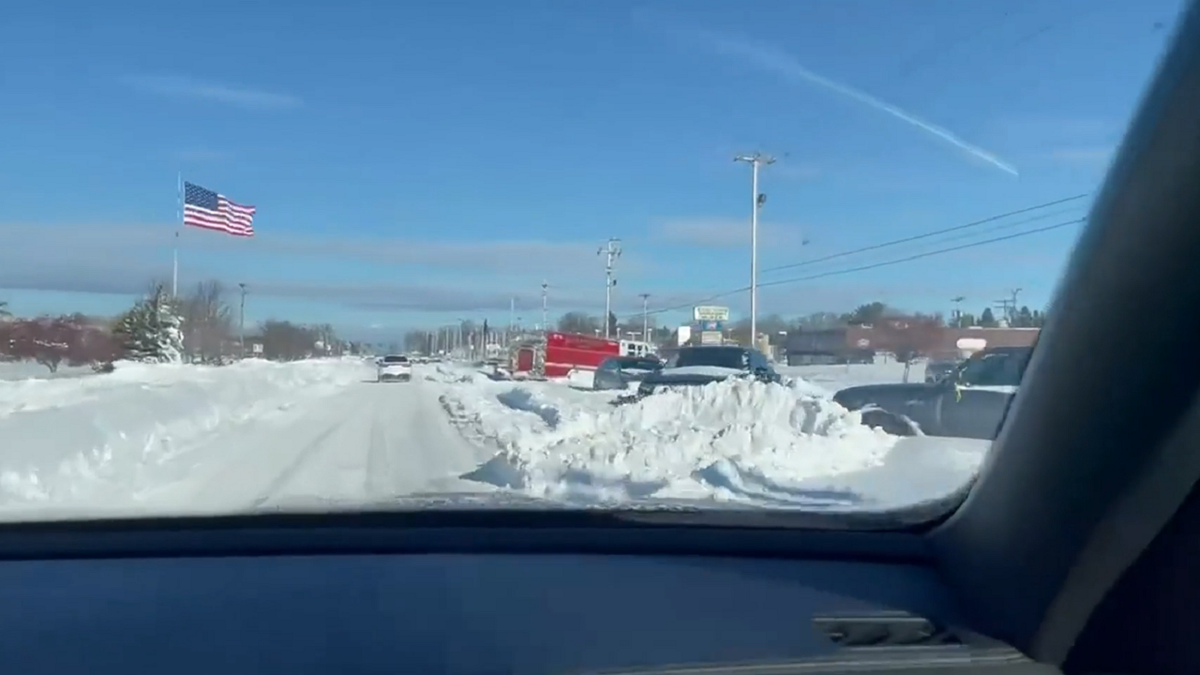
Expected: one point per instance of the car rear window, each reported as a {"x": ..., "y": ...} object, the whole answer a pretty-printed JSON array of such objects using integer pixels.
[{"x": 395, "y": 359}]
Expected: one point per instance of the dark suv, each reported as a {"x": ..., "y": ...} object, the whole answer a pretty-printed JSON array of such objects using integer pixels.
[
  {"x": 619, "y": 371},
  {"x": 696, "y": 366}
]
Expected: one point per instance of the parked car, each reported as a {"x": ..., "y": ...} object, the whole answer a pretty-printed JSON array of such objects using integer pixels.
[
  {"x": 394, "y": 367},
  {"x": 619, "y": 372},
  {"x": 698, "y": 366},
  {"x": 970, "y": 402}
]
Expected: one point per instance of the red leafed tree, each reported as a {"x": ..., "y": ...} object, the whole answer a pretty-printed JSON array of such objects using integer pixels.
[
  {"x": 95, "y": 347},
  {"x": 52, "y": 340}
]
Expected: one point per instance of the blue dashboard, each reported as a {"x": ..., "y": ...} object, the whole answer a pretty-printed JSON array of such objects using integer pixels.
[{"x": 435, "y": 613}]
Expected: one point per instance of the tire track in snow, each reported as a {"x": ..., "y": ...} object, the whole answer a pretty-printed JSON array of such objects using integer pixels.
[
  {"x": 379, "y": 461},
  {"x": 367, "y": 444},
  {"x": 286, "y": 476}
]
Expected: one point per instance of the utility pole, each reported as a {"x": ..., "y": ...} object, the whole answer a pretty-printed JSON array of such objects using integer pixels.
[
  {"x": 611, "y": 252},
  {"x": 756, "y": 161},
  {"x": 512, "y": 314},
  {"x": 1012, "y": 317},
  {"x": 545, "y": 326},
  {"x": 645, "y": 316},
  {"x": 1009, "y": 305},
  {"x": 957, "y": 300},
  {"x": 242, "y": 321}
]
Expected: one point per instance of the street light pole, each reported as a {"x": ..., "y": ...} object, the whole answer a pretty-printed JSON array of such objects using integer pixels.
[
  {"x": 545, "y": 326},
  {"x": 756, "y": 160},
  {"x": 645, "y": 316},
  {"x": 242, "y": 320},
  {"x": 611, "y": 252}
]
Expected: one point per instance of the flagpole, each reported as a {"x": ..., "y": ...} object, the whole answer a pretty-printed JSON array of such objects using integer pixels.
[{"x": 175, "y": 252}]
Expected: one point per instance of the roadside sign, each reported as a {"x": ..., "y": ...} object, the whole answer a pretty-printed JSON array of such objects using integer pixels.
[
  {"x": 710, "y": 326},
  {"x": 710, "y": 313}
]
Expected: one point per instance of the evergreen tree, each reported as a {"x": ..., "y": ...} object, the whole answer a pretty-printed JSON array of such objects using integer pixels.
[
  {"x": 150, "y": 330},
  {"x": 1024, "y": 318},
  {"x": 987, "y": 319}
]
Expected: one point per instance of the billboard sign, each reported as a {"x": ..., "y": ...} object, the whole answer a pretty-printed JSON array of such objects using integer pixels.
[{"x": 710, "y": 313}]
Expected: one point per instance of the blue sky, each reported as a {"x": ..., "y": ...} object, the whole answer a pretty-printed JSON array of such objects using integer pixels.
[{"x": 414, "y": 163}]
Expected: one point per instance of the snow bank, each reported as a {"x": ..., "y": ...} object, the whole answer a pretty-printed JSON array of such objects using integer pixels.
[
  {"x": 733, "y": 441},
  {"x": 25, "y": 370},
  {"x": 67, "y": 439}
]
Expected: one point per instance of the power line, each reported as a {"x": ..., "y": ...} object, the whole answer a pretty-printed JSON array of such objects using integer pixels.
[
  {"x": 926, "y": 254},
  {"x": 871, "y": 266},
  {"x": 926, "y": 235}
]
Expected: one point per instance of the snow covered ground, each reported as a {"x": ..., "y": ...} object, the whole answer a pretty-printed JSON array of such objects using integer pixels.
[{"x": 255, "y": 436}]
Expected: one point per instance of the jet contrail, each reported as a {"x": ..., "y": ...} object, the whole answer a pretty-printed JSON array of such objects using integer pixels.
[{"x": 769, "y": 58}]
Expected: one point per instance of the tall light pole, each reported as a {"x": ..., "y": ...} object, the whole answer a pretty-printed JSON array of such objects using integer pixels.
[
  {"x": 545, "y": 325},
  {"x": 645, "y": 316},
  {"x": 957, "y": 300},
  {"x": 512, "y": 315},
  {"x": 611, "y": 252},
  {"x": 242, "y": 320},
  {"x": 756, "y": 161}
]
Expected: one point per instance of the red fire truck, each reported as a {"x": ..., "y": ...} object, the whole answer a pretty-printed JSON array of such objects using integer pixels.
[{"x": 557, "y": 354}]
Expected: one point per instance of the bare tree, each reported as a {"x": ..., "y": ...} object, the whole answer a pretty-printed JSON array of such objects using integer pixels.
[
  {"x": 578, "y": 322},
  {"x": 207, "y": 323},
  {"x": 910, "y": 338},
  {"x": 286, "y": 341}
]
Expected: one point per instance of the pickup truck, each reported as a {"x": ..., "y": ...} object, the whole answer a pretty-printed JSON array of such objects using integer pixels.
[{"x": 970, "y": 402}]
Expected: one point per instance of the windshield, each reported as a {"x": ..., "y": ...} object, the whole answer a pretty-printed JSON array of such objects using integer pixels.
[
  {"x": 225, "y": 233},
  {"x": 1000, "y": 369},
  {"x": 721, "y": 357}
]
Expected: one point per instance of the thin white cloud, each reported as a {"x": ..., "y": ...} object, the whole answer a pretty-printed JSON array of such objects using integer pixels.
[
  {"x": 1089, "y": 156},
  {"x": 722, "y": 233},
  {"x": 201, "y": 155},
  {"x": 176, "y": 86},
  {"x": 799, "y": 171},
  {"x": 455, "y": 276},
  {"x": 772, "y": 59},
  {"x": 560, "y": 260}
]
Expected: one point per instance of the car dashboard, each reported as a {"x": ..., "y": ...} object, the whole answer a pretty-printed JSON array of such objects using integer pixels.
[{"x": 439, "y": 613}]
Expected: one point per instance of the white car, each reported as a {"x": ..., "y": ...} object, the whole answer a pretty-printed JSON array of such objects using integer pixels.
[{"x": 394, "y": 367}]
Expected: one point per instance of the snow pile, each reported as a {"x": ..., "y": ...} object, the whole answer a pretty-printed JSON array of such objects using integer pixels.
[
  {"x": 733, "y": 441},
  {"x": 107, "y": 435}
]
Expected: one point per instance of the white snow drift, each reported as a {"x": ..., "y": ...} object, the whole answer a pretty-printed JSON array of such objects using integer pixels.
[
  {"x": 734, "y": 441},
  {"x": 99, "y": 438}
]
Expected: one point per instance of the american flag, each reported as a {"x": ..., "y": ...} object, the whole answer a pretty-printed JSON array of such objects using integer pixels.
[{"x": 212, "y": 211}]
